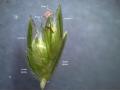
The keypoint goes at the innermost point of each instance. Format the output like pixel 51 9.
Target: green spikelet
pixel 43 52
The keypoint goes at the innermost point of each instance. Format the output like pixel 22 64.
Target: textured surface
pixel 91 57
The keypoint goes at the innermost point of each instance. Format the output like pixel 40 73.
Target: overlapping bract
pixel 44 51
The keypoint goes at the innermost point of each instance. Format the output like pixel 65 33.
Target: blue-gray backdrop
pixel 91 57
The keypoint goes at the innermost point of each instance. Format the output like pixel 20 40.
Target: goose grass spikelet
pixel 44 51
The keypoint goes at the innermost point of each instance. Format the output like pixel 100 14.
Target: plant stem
pixel 43 83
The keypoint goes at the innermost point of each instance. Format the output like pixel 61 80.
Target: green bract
pixel 44 51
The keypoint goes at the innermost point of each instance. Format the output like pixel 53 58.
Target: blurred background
pixel 91 58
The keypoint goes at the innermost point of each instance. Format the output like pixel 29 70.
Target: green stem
pixel 43 83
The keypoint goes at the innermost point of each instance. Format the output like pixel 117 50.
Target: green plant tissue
pixel 44 51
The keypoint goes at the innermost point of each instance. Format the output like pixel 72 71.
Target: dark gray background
pixel 91 58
